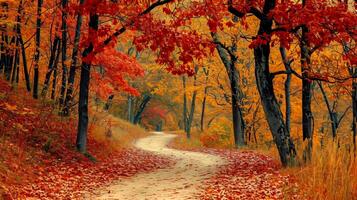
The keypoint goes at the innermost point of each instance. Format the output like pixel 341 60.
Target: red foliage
pixel 326 22
pixel 115 67
pixel 248 175
pixel 168 39
pixel 70 179
pixel 155 112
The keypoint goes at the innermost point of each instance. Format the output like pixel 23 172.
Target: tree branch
pixel 240 14
pixel 124 28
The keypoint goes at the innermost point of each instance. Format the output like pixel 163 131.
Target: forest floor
pixel 38 159
pixel 203 174
pixel 181 181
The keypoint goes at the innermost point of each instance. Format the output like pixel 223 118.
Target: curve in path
pixel 179 182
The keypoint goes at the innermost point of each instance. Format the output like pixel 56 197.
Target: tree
pixel 188 115
pixel 37 51
pixel 89 52
pixel 72 71
pixel 52 66
pixel 265 85
pixel 229 59
pixel 84 87
pixel 311 37
pixel 141 109
pixel 64 51
pixel 206 72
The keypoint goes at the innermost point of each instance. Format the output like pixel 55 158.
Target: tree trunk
pixel 8 57
pixel 37 53
pixel 354 111
pixel 72 71
pixel 266 90
pixel 159 126
pixel 2 54
pixel 204 99
pixel 238 124
pixel 64 52
pixel 130 109
pixel 15 63
pixel 37 50
pixel 332 114
pixel 137 117
pixel 307 117
pixel 24 62
pixel 109 102
pixel 18 68
pixel 203 109
pixel 17 28
pixel 55 46
pixel 229 62
pixel 353 72
pixel 55 65
pixel 81 142
pixel 287 88
pixel 192 109
pixel 185 106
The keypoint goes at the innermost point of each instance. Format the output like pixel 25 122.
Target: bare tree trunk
pixel 15 63
pixel 353 72
pixel 109 102
pixel 332 114
pixel 64 52
pixel 266 90
pixel 24 62
pixel 307 117
pixel 55 46
pixel 84 90
pixel 204 99
pixel 17 67
pixel 8 57
pixel 287 64
pixel 137 117
pixel 229 61
pixel 55 67
pixel 354 111
pixel 192 109
pixel 2 54
pixel 185 106
pixel 17 28
pixel 37 54
pixel 72 71
pixel 130 109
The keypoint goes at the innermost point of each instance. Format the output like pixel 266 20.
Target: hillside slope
pixel 38 157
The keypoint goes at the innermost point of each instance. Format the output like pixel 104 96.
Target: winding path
pixel 179 182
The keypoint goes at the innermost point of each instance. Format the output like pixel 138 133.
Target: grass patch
pixel 181 141
pixel 117 133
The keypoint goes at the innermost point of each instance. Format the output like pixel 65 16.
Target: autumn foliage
pixel 277 76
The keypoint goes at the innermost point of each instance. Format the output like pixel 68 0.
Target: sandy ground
pixel 179 182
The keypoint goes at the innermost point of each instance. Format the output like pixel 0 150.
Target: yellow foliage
pixel 219 134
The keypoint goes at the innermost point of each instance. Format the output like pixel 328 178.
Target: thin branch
pixel 124 28
pixel 240 14
pixel 343 115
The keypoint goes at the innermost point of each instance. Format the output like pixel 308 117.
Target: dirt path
pixel 178 182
